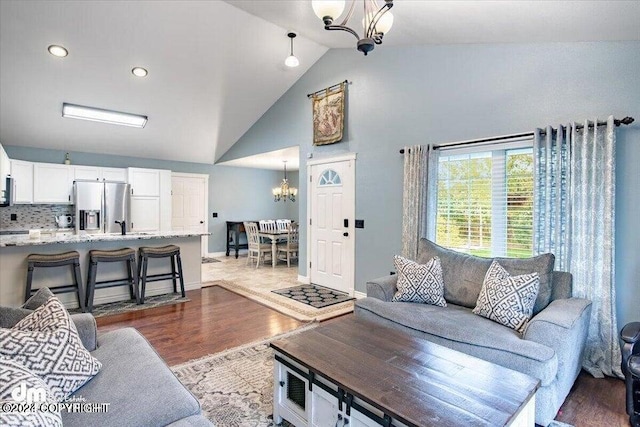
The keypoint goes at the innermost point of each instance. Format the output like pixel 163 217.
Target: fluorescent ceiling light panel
pixel 104 116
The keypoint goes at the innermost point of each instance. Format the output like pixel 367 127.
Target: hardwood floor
pixel 216 319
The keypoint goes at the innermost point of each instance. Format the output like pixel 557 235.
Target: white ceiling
pixel 418 22
pixel 214 69
pixel 271 160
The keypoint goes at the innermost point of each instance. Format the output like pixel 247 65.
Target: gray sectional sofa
pixel 550 348
pixel 134 380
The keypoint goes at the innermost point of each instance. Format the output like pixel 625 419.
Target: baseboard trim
pixel 304 280
pixel 215 254
pixel 360 295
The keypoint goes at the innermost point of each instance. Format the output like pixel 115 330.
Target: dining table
pixel 275 237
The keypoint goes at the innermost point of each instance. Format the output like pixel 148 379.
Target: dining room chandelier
pixel 376 23
pixel 284 192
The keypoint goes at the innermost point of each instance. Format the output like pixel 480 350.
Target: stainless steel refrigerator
pixel 100 204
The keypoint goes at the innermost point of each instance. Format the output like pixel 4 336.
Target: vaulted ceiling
pixel 215 67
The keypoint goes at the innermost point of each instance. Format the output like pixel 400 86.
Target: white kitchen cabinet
pixel 144 182
pixel 5 169
pixel 165 200
pixel 87 172
pixel 22 172
pixel 114 174
pixel 145 214
pixel 52 183
pixel 96 173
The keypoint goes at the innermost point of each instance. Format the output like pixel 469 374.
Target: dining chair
pixel 283 224
pixel 257 249
pixel 268 226
pixel 289 249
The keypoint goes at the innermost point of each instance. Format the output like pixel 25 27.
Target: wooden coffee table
pixel 352 372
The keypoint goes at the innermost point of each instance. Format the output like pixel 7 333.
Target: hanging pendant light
pixel 291 60
pixel 376 23
pixel 284 192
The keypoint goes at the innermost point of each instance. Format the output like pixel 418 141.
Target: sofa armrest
pixel 563 326
pixel 382 288
pixel 87 329
pixel 631 333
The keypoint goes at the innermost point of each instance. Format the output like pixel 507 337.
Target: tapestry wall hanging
pixel 328 114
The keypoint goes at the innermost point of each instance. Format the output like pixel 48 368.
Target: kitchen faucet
pixel 123 227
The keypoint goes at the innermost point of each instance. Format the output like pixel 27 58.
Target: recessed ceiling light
pixel 139 72
pixel 58 51
pixel 105 116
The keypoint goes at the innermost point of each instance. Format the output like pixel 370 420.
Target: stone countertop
pixel 49 239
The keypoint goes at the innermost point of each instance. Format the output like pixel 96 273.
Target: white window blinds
pixel 485 199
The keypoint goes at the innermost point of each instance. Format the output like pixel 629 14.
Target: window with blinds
pixel 485 199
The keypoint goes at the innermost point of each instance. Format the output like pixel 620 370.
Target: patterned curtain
pixel 574 217
pixel 418 197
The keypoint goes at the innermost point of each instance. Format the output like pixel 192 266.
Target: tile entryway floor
pixel 257 283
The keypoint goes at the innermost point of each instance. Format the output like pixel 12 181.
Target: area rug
pixel 314 295
pixel 209 260
pixel 261 292
pixel 235 387
pixel 119 307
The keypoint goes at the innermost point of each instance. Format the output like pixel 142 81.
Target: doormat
pixel 209 260
pixel 235 387
pixel 314 295
pixel 260 291
pixel 120 307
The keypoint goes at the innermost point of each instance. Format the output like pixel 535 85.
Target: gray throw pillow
pixel 16 376
pixel 419 282
pixel 464 274
pixel 41 296
pixel 47 343
pixel 507 299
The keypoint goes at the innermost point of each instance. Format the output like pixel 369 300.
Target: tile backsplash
pixel 32 216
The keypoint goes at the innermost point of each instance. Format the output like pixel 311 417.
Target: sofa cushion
pixel 457 328
pixel 464 274
pixel 135 382
pixel 47 343
pixel 507 299
pixel 14 375
pixel 419 282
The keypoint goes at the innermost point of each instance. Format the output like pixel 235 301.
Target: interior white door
pixel 188 197
pixel 332 199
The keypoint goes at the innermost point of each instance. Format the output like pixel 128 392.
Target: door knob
pixel 201 222
pixel 345 234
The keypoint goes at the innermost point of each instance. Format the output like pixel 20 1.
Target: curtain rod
pixel 626 121
pixel 309 95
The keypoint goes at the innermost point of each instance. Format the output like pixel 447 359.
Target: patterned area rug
pixel 209 260
pixel 314 295
pixel 261 292
pixel 130 305
pixel 235 387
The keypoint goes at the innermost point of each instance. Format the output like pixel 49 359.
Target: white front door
pixel 331 229
pixel 188 201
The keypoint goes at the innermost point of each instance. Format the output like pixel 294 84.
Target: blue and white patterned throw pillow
pixel 419 282
pixel 507 299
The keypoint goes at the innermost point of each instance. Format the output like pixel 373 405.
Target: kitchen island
pixel 15 248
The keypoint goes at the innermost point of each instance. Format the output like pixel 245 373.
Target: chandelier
pixel 376 23
pixel 284 192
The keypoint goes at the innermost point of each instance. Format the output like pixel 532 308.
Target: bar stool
pixel 127 255
pixel 57 260
pixel 169 251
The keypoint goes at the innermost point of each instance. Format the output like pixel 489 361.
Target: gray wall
pixel 236 194
pixel 416 95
